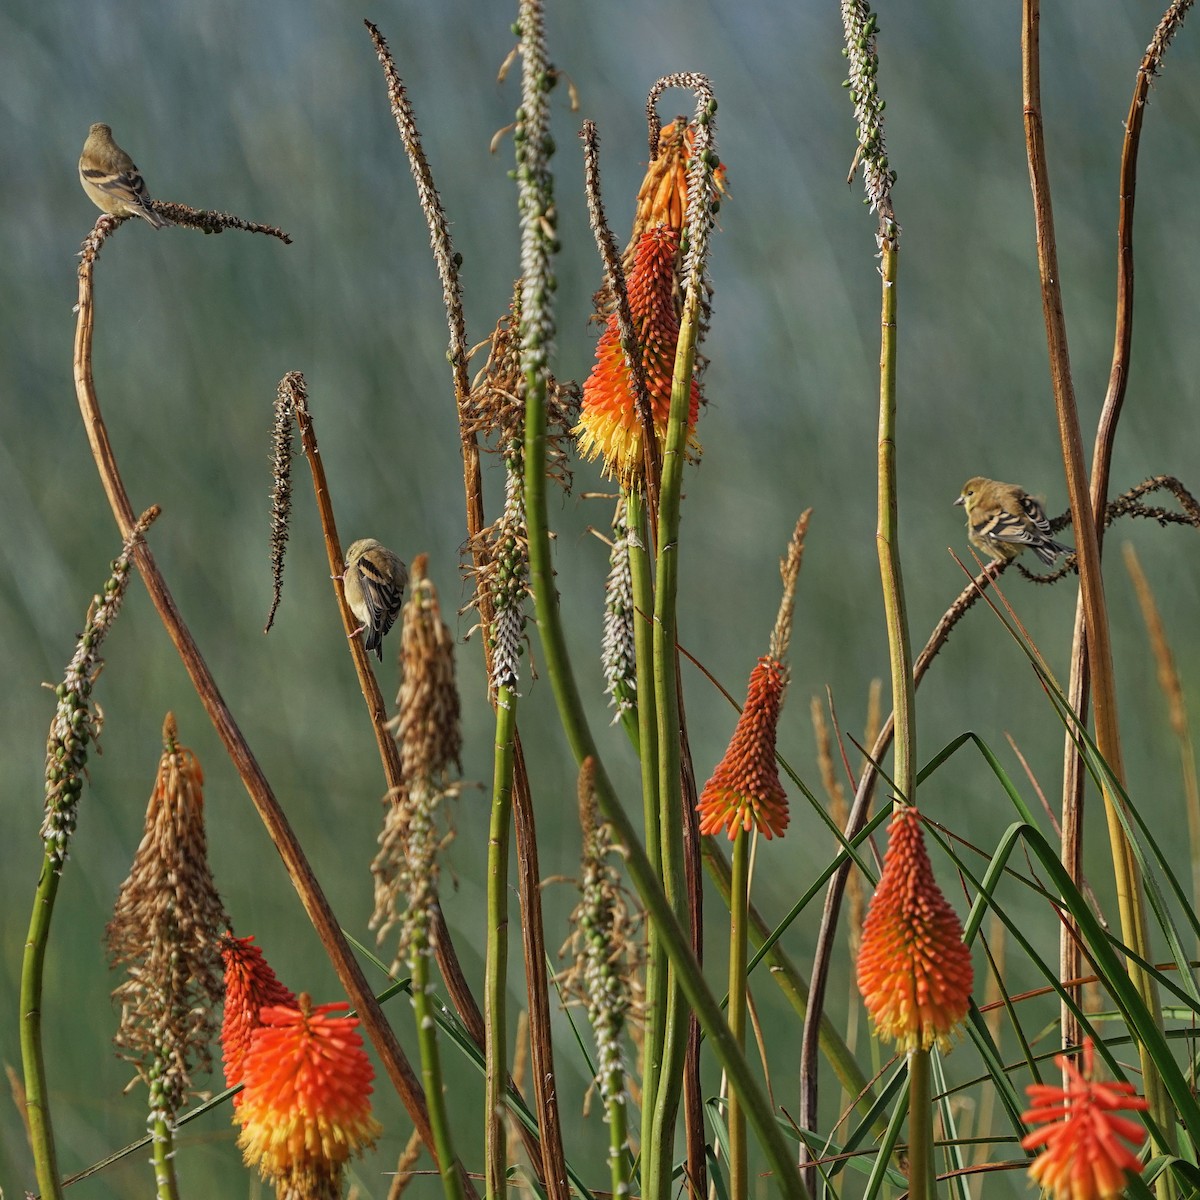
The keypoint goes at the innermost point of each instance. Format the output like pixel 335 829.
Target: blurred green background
pixel 278 112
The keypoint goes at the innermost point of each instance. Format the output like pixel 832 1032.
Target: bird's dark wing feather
pixel 383 600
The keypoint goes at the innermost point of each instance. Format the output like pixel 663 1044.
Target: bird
pixel 374 581
pixel 1002 519
pixel 112 181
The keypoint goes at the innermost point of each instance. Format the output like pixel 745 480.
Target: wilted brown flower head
pixel 164 933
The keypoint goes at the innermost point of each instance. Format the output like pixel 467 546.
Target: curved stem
pixel 350 974
pixel 1087 546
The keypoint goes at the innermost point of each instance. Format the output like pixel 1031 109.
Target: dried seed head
pixel 165 933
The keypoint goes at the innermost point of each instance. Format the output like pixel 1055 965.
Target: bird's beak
pixel 961 500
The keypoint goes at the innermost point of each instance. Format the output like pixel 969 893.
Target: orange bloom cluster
pixel 1083 1157
pixel 744 791
pixel 914 972
pixel 306 1106
pixel 250 985
pixel 662 198
pixel 608 422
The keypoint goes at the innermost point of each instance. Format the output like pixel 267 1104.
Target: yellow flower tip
pixel 914 972
pixel 609 426
pixel 250 984
pixel 306 1105
pixel 1083 1158
pixel 744 791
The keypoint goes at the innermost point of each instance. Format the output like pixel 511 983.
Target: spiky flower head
pixel 914 970
pixel 744 791
pixel 617 648
pixel 77 718
pixel 1083 1158
pixel 606 945
pixel 662 198
pixel 306 1106
pixel 164 933
pixel 429 734
pixel 860 25
pixel 250 986
pixel 609 425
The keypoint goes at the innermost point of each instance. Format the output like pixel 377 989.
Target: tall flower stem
pixel 1095 611
pixel 496 975
pixel 37 1108
pixel 163 1141
pixel 921 1178
pixel 657 967
pixel 739 901
pixel 431 1066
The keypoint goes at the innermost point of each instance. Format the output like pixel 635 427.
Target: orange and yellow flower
pixel 609 425
pixel 744 791
pixel 250 985
pixel 1083 1157
pixel 306 1106
pixel 662 198
pixel 914 971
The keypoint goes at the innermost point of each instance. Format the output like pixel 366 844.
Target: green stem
pixel 163 1141
pixel 739 901
pixel 888 538
pixel 675 939
pixel 656 1172
pixel 795 989
pixel 431 1063
pixel 37 1108
pixel 657 966
pixel 921 1181
pixel 496 979
pixel 618 1135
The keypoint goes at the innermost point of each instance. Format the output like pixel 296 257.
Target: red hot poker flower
pixel 306 1106
pixel 744 791
pixel 250 984
pixel 914 972
pixel 608 421
pixel 1083 1157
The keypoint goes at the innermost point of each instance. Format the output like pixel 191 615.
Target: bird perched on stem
pixel 112 181
pixel 374 581
pixel 1002 519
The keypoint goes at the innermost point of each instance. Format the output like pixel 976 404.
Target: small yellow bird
pixel 112 181
pixel 374 581
pixel 1002 519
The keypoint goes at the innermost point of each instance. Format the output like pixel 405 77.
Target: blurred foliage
pixel 278 113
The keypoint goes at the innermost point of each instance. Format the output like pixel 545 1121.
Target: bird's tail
pixel 1048 550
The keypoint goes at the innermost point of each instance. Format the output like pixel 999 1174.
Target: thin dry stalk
pixel 278 828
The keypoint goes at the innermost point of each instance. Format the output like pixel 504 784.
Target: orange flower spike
pixel 306 1106
pixel 744 791
pixel 608 421
pixel 662 198
pixel 249 985
pixel 1083 1157
pixel 914 972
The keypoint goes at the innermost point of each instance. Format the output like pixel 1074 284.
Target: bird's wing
pixel 1036 515
pixel 382 599
pixel 1006 527
pixel 127 185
